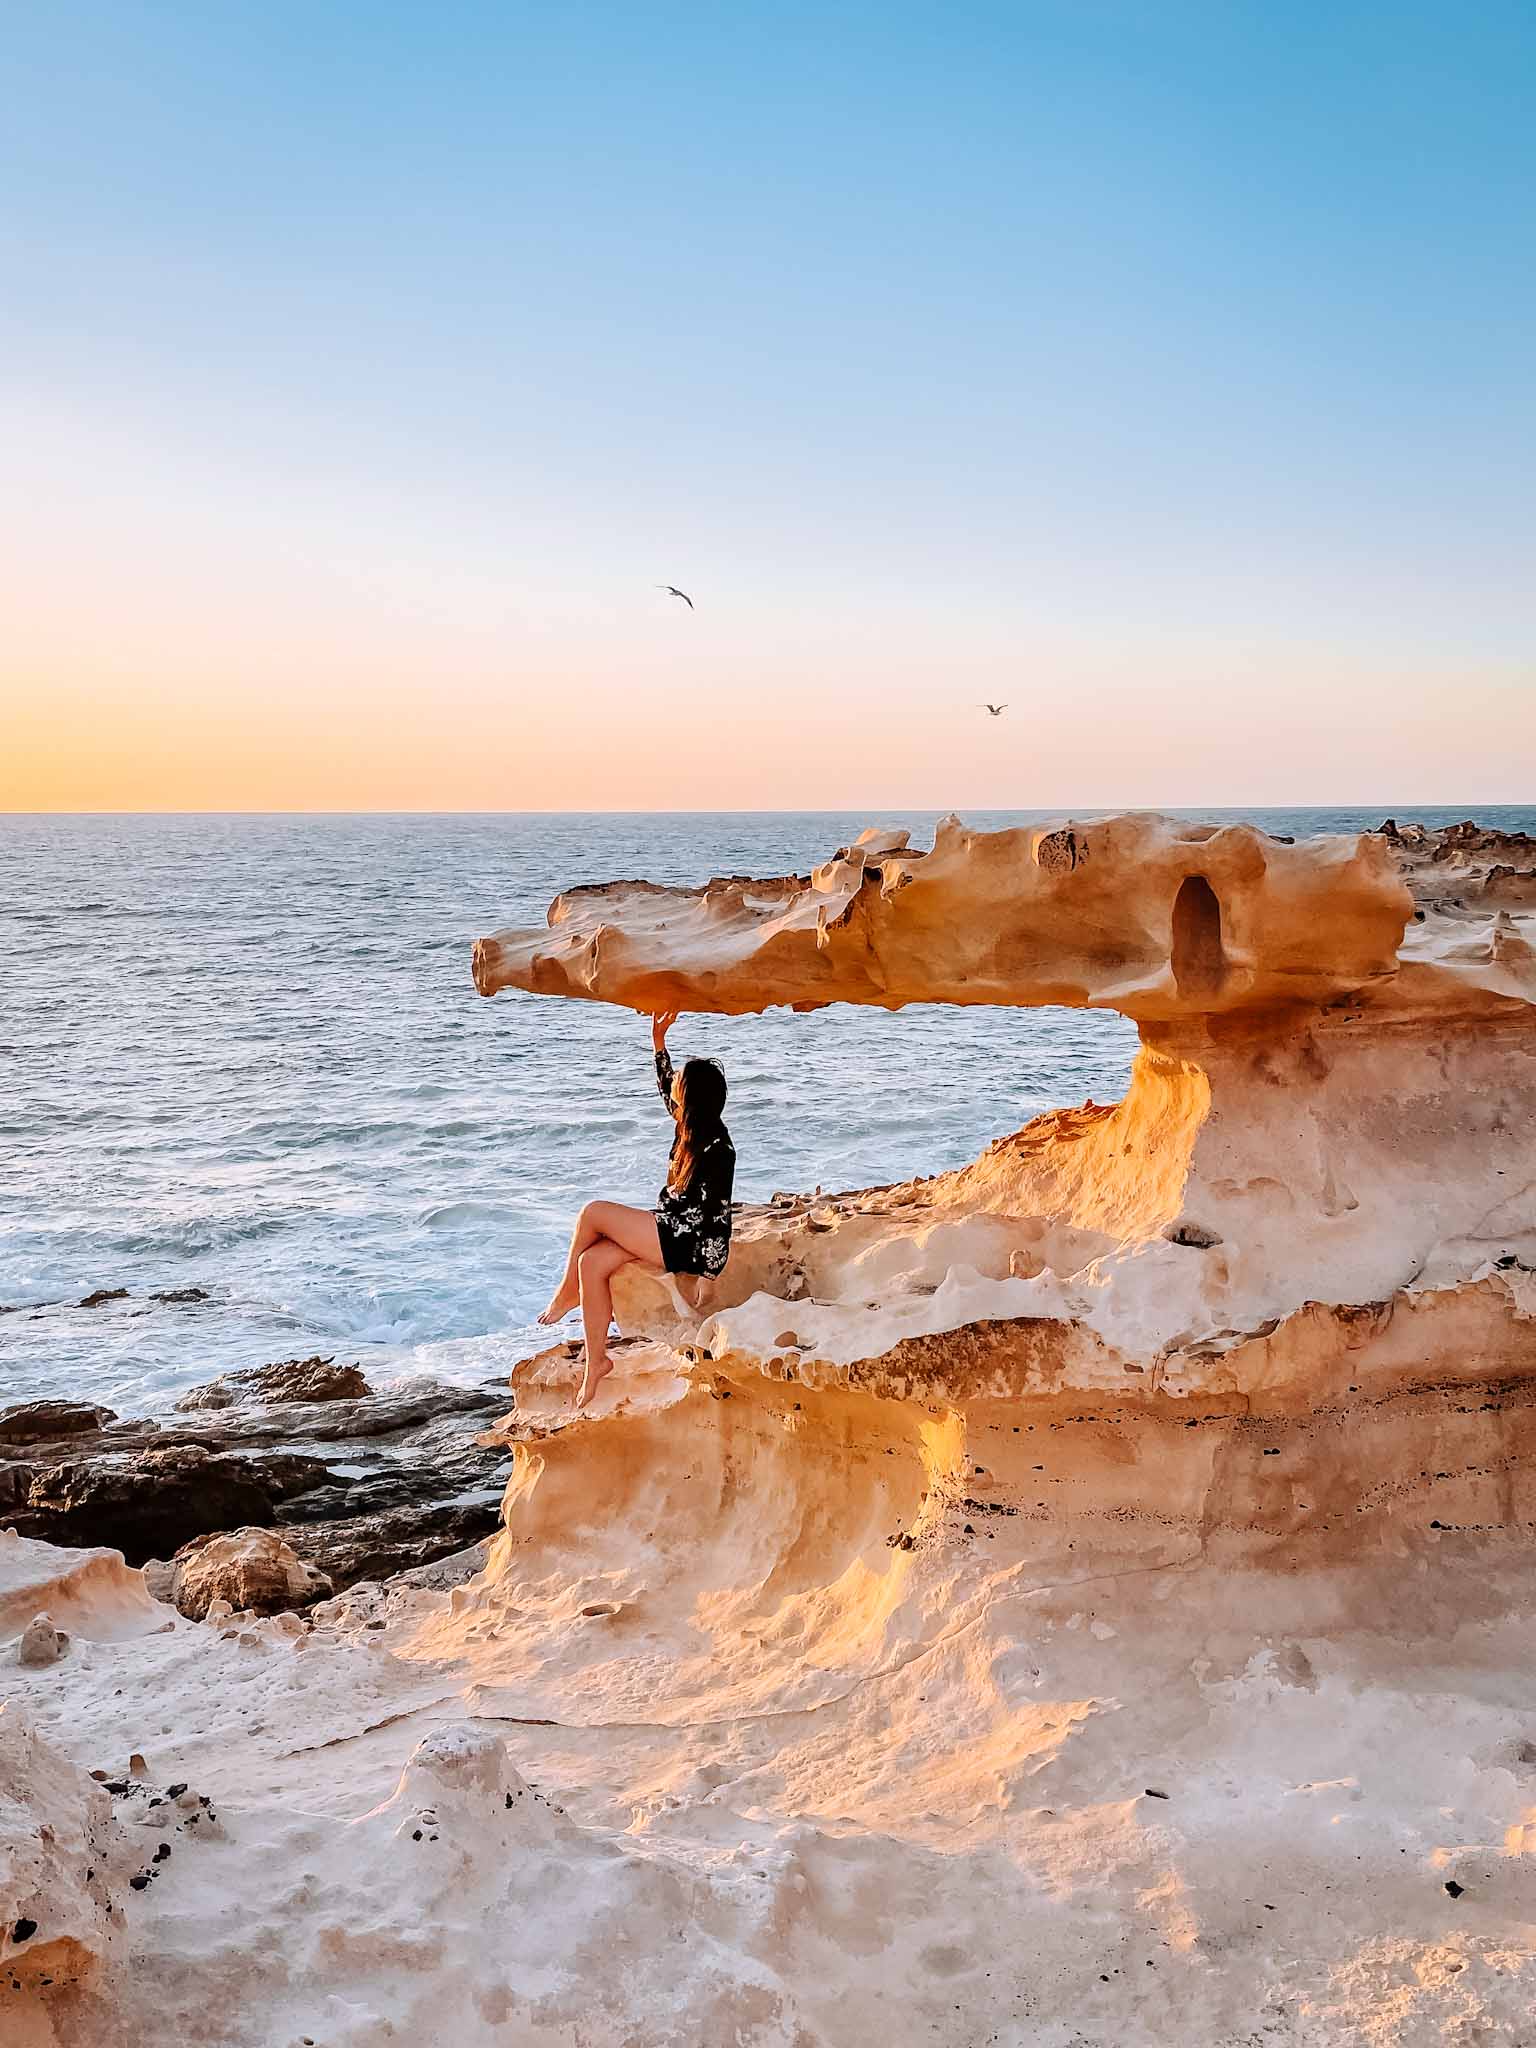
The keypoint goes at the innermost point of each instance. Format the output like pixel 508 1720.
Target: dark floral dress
pixel 694 1221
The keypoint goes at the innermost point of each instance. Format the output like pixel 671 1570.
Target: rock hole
pixel 1058 853
pixel 1199 962
pixel 1195 1235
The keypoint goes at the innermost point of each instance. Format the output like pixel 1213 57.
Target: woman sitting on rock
pixel 689 1230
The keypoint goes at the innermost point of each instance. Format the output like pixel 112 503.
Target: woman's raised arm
pixel 661 1024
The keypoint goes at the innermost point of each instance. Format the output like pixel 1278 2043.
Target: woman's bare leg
pixel 633 1229
pixel 596 1268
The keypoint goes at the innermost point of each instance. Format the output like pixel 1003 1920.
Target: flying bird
pixel 996 710
pixel 672 591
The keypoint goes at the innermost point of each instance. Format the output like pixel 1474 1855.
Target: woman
pixel 689 1230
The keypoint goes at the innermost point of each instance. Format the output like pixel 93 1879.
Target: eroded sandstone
pixel 1152 916
pixel 1312 1217
pixel 62 1858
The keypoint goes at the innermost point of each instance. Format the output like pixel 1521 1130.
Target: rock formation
pixel 152 1505
pixel 1236 1377
pixel 61 1859
pixel 41 1643
pixel 1083 1597
pixel 1142 914
pixel 410 1483
pixel 1464 867
pixel 293 1379
pixel 31 1422
pixel 253 1569
pixel 1315 1205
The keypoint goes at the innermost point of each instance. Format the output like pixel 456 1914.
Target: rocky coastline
pixel 1083 1597
pixel 359 1484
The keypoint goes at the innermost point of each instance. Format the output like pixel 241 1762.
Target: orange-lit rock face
pixel 1335 1103
pixel 1279 1303
pixel 1335 1099
pixel 1151 916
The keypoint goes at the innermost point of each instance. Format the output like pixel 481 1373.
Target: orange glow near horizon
pixel 456 743
pixel 173 643
pixel 407 734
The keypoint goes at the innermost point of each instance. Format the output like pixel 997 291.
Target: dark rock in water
pixel 292 1379
pixel 419 1485
pixel 103 1295
pixel 378 1546
pixel 90 1442
pixel 15 1487
pixel 177 1295
pixel 419 1406
pixel 35 1421
pixel 443 1461
pixel 286 1473
pixel 412 1407
pixel 421 1498
pixel 150 1505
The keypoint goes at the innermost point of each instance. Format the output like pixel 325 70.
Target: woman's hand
pixel 661 1023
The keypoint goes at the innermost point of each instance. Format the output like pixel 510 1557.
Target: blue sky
pixel 1164 369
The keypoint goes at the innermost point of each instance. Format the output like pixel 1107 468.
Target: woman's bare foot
pixel 597 1370
pixel 561 1303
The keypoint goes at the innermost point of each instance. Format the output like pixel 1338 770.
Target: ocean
pixel 244 1054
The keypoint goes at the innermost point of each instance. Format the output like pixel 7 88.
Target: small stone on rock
pixel 41 1642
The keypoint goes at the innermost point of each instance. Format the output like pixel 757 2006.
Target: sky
pixel 1163 370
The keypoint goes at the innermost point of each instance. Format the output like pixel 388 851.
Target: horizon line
pixel 795 811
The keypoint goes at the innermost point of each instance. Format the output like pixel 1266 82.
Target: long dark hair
pixel 700 1102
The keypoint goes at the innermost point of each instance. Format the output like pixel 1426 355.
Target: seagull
pixel 672 591
pixel 996 710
